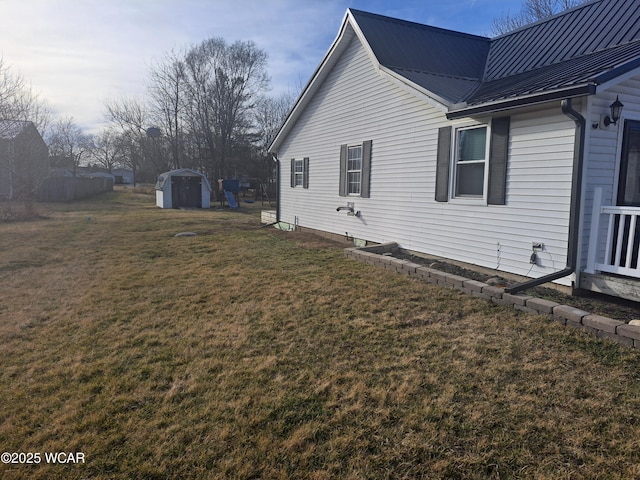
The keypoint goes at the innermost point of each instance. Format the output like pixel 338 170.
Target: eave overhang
pixel 463 111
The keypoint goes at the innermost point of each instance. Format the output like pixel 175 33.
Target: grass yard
pixel 252 353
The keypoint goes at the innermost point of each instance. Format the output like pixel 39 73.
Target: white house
pixel 183 188
pixel 489 151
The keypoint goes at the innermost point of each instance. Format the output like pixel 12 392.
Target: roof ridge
pixel 423 26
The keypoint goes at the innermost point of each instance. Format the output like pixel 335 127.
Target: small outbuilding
pixel 24 159
pixel 183 188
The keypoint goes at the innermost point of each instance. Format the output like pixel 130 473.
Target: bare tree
pixel 167 95
pixel 129 117
pixel 106 149
pixel 531 11
pixel 270 113
pixel 223 84
pixel 203 101
pixel 19 102
pixel 68 144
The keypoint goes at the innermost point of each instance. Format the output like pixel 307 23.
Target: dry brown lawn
pixel 252 353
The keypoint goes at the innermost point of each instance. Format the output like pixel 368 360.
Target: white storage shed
pixel 183 188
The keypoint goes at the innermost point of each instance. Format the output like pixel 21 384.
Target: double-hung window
pixel 300 172
pixel 354 170
pixel 470 162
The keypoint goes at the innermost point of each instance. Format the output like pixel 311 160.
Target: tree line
pixel 206 107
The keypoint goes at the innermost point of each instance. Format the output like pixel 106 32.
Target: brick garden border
pixel 602 327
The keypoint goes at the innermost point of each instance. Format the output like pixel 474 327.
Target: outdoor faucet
pixel 350 210
pixel 349 207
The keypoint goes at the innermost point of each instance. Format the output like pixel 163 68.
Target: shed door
pixel 186 192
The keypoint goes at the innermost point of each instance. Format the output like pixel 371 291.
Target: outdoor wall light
pixel 616 112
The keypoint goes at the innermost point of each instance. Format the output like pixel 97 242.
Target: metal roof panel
pixel 592 27
pixel 451 88
pixel 400 44
pixel 586 68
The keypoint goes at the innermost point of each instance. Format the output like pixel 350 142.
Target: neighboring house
pixel 491 151
pixel 118 175
pixel 183 188
pixel 24 159
pixel 123 175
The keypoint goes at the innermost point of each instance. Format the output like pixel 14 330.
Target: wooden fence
pixel 66 189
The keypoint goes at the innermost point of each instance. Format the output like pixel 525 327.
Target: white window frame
pixel 298 173
pixel 474 199
pixel 352 171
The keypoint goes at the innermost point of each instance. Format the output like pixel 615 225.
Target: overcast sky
pixel 78 53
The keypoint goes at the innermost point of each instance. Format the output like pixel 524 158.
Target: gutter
pixel 574 212
pixel 500 105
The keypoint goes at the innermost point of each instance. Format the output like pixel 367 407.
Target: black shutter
pixel 498 153
pixel 365 187
pixel 305 173
pixel 293 172
pixel 343 171
pixel 443 163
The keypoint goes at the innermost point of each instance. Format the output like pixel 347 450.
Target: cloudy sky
pixel 79 53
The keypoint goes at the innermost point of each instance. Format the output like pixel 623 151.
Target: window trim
pixel 498 163
pixel 303 175
pixel 298 176
pixel 455 143
pixel 354 171
pixel 365 169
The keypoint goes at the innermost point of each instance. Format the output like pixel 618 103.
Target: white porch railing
pixel 622 247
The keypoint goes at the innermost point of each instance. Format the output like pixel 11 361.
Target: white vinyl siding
pixel 357 102
pixel 602 157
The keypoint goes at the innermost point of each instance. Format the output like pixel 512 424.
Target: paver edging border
pixel 603 327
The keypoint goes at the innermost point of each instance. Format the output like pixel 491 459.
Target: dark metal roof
pixel 579 70
pixel 586 45
pixel 590 28
pixel 453 89
pixel 423 54
pixel 564 56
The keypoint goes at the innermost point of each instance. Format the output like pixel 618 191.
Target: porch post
pixel 595 230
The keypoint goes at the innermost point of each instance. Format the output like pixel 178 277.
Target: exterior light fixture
pixel 616 112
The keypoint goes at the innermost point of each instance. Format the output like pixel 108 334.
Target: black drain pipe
pixel 277 194
pixel 574 213
pixel 277 188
